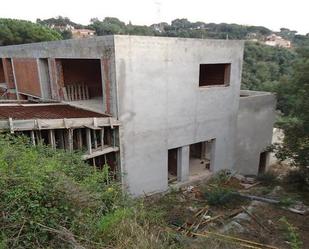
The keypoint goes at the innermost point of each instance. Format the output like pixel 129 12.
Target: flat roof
pixel 45 111
pixel 95 46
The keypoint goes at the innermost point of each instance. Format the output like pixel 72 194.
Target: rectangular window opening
pixel 215 74
pixel 82 79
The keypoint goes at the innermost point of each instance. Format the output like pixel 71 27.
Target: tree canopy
pixel 18 31
pixel 295 121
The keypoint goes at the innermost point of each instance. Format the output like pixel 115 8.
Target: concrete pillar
pixel 212 152
pixel 183 158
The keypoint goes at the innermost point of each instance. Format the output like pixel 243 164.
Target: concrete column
pixel 212 151
pixel 183 157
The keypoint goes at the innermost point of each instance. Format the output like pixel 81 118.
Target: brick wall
pixel 87 71
pixel 2 78
pixel 27 76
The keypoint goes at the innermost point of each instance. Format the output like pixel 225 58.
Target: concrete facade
pixel 151 85
pixel 256 117
pixel 161 105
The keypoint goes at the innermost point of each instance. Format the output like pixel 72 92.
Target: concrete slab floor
pixel 198 169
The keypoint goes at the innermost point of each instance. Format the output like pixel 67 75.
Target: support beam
pixel 70 139
pixel 79 139
pixel 88 139
pixel 51 138
pixel 102 137
pixel 32 137
pixel 38 137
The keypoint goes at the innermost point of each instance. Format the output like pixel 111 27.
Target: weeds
pixel 291 234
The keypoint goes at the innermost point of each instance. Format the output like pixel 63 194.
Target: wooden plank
pixel 100 152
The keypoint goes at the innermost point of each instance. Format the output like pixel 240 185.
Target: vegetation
pixel 19 31
pixel 219 196
pixel 291 234
pixel 295 119
pixel 266 67
pixel 267 178
pixel 52 199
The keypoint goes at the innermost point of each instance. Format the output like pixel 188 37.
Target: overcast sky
pixel 273 14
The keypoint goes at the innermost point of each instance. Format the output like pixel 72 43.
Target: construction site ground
pixel 233 221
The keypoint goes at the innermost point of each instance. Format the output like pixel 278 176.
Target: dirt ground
pixel 188 212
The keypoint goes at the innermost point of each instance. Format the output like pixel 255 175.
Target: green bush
pixel 46 194
pixel 267 178
pixel 297 179
pixel 219 196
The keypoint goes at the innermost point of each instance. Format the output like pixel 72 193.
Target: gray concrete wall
pixel 78 48
pixel 256 117
pixel 161 105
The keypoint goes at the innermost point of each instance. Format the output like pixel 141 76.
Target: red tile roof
pixel 45 112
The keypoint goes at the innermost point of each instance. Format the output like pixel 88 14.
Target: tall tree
pixel 18 31
pixel 296 119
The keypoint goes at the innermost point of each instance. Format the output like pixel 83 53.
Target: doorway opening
pixel 172 165
pixel 201 158
pixel 263 162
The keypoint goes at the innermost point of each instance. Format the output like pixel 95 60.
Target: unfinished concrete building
pixel 159 110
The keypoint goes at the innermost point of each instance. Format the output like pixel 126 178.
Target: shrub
pixel 297 179
pixel 48 194
pixel 267 178
pixel 219 196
